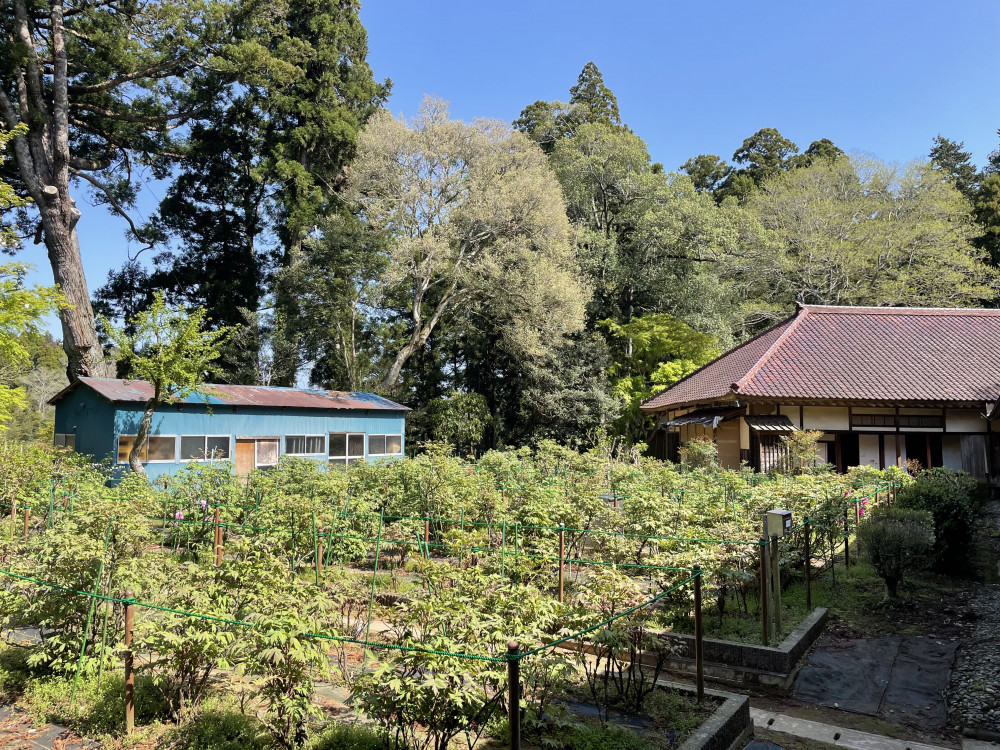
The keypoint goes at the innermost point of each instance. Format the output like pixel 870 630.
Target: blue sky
pixel 691 77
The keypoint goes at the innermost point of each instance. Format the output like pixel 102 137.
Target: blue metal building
pixel 249 426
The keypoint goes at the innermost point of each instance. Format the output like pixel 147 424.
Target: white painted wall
pixel 964 420
pixel 825 418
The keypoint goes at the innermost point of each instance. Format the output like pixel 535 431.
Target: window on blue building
pixel 204 447
pixel 159 448
pixel 347 447
pixel 385 445
pixel 304 445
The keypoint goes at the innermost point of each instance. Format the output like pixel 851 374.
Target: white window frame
pixel 205 460
pixel 386 435
pixel 147 461
pixel 256 451
pixel 71 436
pixel 306 436
pixel 347 457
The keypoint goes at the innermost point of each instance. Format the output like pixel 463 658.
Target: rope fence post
pixel 319 557
pixel 699 650
pixel 129 676
pixel 776 580
pixel 847 544
pixel 218 539
pixel 808 567
pixel 562 557
pixel 765 625
pixel 514 694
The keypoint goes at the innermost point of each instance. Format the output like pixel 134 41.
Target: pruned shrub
pixel 896 540
pixel 700 453
pixel 952 498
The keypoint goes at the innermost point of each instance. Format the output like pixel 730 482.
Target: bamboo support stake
pixel 27 515
pixel 562 559
pixel 319 557
pixel 13 516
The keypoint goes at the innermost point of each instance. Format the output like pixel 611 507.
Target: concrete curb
pixel 729 727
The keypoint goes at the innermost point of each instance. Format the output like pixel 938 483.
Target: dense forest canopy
pixel 509 282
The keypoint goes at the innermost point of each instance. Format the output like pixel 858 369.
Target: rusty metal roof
pixel 882 354
pixel 139 391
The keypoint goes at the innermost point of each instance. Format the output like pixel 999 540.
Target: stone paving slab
pixel 838 736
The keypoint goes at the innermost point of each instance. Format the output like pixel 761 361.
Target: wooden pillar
pixel 899 455
pixel 841 469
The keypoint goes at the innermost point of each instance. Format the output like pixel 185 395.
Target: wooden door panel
pixel 245 456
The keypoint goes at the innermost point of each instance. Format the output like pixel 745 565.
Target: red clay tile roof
pixel 117 390
pixel 858 354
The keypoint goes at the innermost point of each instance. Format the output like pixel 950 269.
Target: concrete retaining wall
pixel 743 664
pixel 729 727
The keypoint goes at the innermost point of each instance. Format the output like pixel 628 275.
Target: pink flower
pixel 203 504
pixel 179 515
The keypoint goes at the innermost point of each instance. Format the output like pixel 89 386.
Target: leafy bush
pixel 348 737
pixel 895 540
pixel 602 738
pixel 700 453
pixel 953 500
pixel 220 729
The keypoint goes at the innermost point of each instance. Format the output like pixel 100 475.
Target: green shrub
pixel 700 453
pixel 953 499
pixel 348 737
pixel 14 673
pixel 600 738
pixel 895 540
pixel 220 729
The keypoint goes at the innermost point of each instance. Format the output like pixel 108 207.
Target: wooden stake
pixel 765 626
pixel 699 650
pixel 27 515
pixel 808 556
pixel 218 539
pixel 129 677
pixel 776 579
pixel 514 694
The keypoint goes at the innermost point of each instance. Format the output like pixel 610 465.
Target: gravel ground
pixel 974 692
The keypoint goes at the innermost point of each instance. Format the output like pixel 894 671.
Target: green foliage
pixel 700 453
pixel 21 311
pixel 604 738
pixel 348 737
pixel 221 729
pixel 461 419
pixel 895 540
pixel 651 353
pixel 169 348
pixel 948 158
pixel 953 499
pixel 802 451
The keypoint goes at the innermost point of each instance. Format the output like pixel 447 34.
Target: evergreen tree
pixel 596 100
pixel 948 158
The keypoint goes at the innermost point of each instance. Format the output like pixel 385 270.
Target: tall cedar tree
pixel 949 158
pixel 259 171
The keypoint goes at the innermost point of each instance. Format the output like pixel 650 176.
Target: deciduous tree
pixel 170 349
pixel 472 219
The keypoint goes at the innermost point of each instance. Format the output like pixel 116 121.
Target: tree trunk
pixel 83 350
pixel 43 161
pixel 142 437
pixel 892 587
